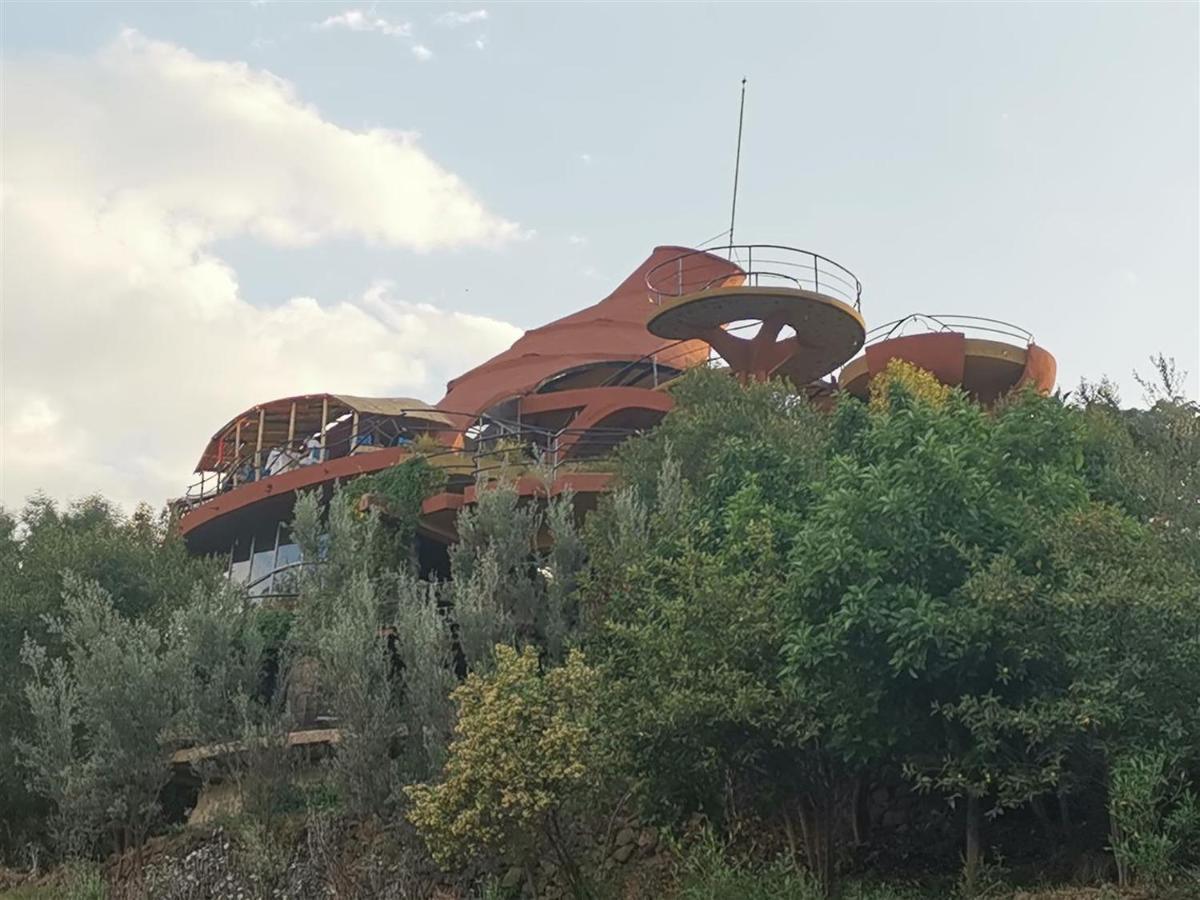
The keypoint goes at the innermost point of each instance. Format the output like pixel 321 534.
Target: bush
pixel 521 762
pixel 107 715
pixel 1155 818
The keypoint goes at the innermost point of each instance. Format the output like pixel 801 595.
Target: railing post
pixel 816 278
pixel 237 451
pixel 750 265
pixel 258 443
pixel 324 416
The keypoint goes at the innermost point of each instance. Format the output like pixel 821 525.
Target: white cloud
pixel 421 52
pixel 577 240
pixel 455 19
pixel 126 342
pixel 357 20
pixel 585 158
pixel 480 42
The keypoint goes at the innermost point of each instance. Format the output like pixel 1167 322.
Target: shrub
pixel 108 714
pixel 521 761
pixel 1154 815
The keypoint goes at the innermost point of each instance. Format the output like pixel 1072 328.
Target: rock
pixel 512 878
pixel 622 854
pixel 648 839
pixel 626 836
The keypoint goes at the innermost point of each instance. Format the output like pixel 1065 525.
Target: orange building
pixel 565 394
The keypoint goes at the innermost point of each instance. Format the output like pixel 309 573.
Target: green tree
pixel 521 761
pixel 107 714
pixel 137 559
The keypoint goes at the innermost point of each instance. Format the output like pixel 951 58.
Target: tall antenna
pixel 737 165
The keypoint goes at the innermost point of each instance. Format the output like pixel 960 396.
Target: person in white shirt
pixel 314 451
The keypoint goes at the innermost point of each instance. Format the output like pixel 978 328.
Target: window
pixel 239 569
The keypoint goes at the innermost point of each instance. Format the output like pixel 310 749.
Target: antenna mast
pixel 737 165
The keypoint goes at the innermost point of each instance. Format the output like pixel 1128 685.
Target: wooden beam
pixel 237 448
pixel 353 431
pixel 324 417
pixel 292 426
pixel 262 421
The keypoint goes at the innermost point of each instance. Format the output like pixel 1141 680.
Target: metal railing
pixel 496 447
pixel 666 358
pixel 254 464
pixel 759 265
pixel 925 323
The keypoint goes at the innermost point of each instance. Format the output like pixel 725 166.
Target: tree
pixel 914 632
pixel 514 572
pixel 685 589
pixel 522 758
pixel 796 607
pixel 138 560
pixel 107 715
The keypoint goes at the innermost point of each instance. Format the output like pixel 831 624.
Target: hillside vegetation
pixel 907 648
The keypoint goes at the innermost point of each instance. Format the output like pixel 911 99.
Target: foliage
pixel 689 646
pixel 917 383
pixel 792 609
pixel 356 683
pixel 522 756
pixel 721 432
pixel 1146 460
pixel 402 487
pixel 711 871
pixel 107 715
pixel 137 559
pixel 1155 817
pixel 381 651
pixel 513 571
pixel 421 646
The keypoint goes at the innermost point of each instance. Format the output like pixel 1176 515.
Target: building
pixel 565 394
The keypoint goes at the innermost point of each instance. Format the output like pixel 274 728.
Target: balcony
pixel 809 308
pixel 987 358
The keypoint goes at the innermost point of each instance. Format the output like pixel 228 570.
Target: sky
pixel 209 205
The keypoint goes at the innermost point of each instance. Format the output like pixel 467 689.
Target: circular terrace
pixel 808 307
pixel 987 358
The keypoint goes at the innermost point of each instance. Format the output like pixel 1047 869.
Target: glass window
pixel 262 563
pixel 239 569
pixel 287 574
pixel 261 567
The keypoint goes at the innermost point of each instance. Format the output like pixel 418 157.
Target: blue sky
pixel 1037 163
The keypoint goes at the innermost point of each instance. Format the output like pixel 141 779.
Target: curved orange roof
pixel 613 329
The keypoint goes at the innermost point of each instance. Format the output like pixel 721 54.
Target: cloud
pixel 421 52
pixel 585 158
pixel 577 240
pixel 480 42
pixel 357 20
pixel 455 19
pixel 126 341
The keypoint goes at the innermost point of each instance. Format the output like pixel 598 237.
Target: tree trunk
pixel 817 824
pixel 790 830
pixel 972 856
pixel 1064 814
pixel 861 813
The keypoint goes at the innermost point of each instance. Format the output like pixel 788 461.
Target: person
pixel 313 451
pixel 275 462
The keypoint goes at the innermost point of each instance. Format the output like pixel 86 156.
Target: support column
pixel 258 442
pixel 324 416
pixel 237 449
